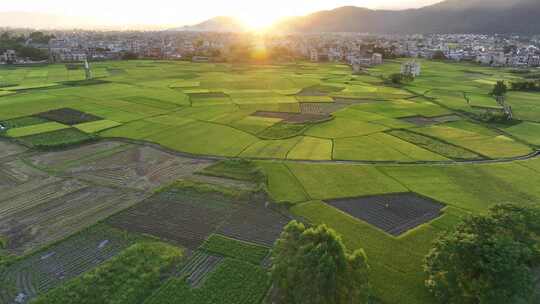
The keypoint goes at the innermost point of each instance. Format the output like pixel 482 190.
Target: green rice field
pixel 210 109
pixel 311 133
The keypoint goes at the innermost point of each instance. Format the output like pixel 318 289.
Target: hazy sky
pixel 180 12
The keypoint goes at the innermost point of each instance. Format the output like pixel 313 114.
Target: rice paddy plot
pixel 254 124
pixel 394 213
pixel 381 147
pixel 292 117
pixel 277 149
pixel 137 130
pixel 343 127
pixel 314 99
pixel 209 98
pixel 47 269
pixel 35 129
pixel 283 130
pixel 477 139
pixel 205 138
pixel 329 181
pixel 97 126
pixel 282 184
pixel 311 148
pixel 435 145
pixel 527 131
pixel 61 138
pixel 425 121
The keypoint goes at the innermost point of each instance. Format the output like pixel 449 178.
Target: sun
pixel 259 21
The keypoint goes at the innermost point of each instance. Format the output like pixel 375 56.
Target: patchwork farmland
pixel 188 172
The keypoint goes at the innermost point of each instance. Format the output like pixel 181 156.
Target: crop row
pixel 47 269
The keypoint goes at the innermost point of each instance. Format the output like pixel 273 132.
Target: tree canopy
pixel 487 259
pixel 10 42
pixel 311 265
pixel 499 89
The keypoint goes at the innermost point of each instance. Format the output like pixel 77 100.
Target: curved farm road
pixel 535 154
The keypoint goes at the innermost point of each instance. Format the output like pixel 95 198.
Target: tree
pixel 487 259
pixel 499 89
pixel 399 79
pixel 40 37
pixel 311 265
pixel 439 55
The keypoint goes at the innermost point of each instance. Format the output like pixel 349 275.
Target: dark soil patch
pixel 188 217
pixel 394 213
pixel 208 95
pixel 350 101
pixel 321 108
pixel 68 116
pixel 293 117
pixel 181 218
pixel 77 83
pixel 426 121
pixel 254 223
pixel 319 90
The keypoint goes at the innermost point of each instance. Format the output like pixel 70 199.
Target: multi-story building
pixel 411 68
pixel 9 56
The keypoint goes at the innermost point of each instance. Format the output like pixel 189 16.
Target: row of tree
pixel 525 85
pixel 486 259
pixel 18 43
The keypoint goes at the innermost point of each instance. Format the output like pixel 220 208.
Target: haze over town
pixel 167 13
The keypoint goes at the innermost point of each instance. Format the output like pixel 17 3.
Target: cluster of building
pixel 8 56
pixel 493 50
pixel 358 50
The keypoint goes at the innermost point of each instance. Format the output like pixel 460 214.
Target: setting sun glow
pixel 259 22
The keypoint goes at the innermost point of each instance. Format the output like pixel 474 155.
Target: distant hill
pixel 217 24
pixel 450 16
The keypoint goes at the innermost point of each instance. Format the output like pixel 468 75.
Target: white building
pixel 8 56
pixel 376 59
pixel 314 55
pixel 533 61
pixel 411 68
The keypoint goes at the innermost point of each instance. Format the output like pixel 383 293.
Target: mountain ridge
pixel 216 24
pixel 450 16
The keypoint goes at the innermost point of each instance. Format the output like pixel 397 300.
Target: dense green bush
pixel 233 282
pixel 239 169
pixel 127 278
pixel 313 266
pixel 487 259
pixel 57 139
